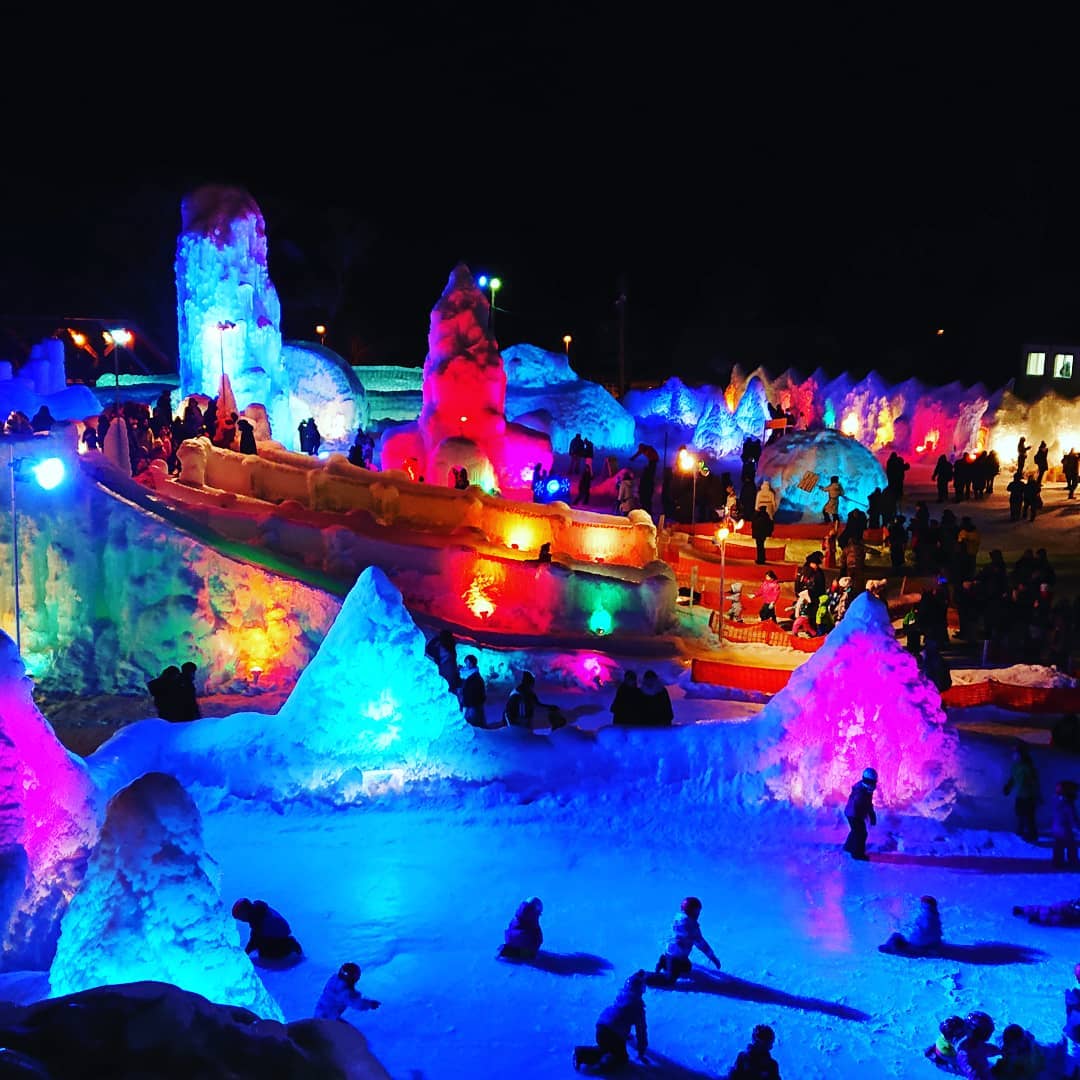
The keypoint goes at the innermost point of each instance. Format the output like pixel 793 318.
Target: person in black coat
pixel 187 695
pixel 584 485
pixel 859 810
pixel 628 705
pixel 943 474
pixel 756 1061
pixel 247 436
pixel 473 693
pixel 442 648
pixel 166 691
pixel 761 528
pixel 656 702
pixel 271 936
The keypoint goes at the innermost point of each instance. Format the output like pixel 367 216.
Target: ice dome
pixel 788 462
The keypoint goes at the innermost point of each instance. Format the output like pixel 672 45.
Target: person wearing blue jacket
pixel 340 993
pixel 270 935
pixel 674 962
pixel 924 938
pixel 523 937
pixel 859 810
pixel 614 1026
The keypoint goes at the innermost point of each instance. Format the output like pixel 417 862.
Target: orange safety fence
pixel 739 676
pixel 1034 699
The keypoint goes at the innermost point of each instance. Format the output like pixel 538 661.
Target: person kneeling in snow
pixel 1021 1056
pixel 270 936
pixel 924 938
pixel 943 1052
pixel 674 963
pixel 614 1025
pixel 523 937
pixel 340 993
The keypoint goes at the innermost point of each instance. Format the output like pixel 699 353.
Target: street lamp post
pixel 493 285
pixel 119 338
pixel 688 463
pixel 48 473
pixel 722 535
pixel 321 331
pixel 566 342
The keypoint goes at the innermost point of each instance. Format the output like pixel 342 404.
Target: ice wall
pixel 48 822
pixel 860 701
pixel 323 386
pixel 149 907
pixel 786 463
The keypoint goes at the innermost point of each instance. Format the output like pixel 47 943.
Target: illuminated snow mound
pixel 860 701
pixel 370 695
pixel 674 402
pixel 48 822
pixel 717 432
pixel 149 907
pixel 530 367
pixel 322 385
pixel 786 463
pixel 572 408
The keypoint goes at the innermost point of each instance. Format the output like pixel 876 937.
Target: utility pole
pixel 620 303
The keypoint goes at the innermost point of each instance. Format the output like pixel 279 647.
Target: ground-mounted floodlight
pixel 48 473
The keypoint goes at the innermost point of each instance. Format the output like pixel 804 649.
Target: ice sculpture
pixel 229 323
pixel 370 696
pixel 48 822
pixel 791 463
pixel 861 700
pixel 462 420
pixel 149 908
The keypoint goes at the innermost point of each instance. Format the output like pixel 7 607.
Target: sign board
pixel 776 425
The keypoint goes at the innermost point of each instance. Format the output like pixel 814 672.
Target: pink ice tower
pixel 462 422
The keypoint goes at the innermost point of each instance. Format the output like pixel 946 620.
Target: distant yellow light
pixel 320 329
pixel 687 460
pixel 940 331
pixel 850 425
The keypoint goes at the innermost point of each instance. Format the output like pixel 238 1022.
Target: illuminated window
pixel 1036 363
pixel 1063 365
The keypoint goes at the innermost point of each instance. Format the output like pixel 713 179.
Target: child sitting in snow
pixel 943 1052
pixel 523 937
pixel 1021 1056
pixel 924 938
pixel 340 993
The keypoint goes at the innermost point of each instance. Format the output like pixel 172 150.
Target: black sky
pixel 825 192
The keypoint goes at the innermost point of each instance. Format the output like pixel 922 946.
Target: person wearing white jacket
pixel 766 497
pixel 340 993
pixel 674 963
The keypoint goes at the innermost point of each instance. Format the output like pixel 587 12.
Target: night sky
pixel 825 194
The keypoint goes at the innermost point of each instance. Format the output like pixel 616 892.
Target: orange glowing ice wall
pixel 464 398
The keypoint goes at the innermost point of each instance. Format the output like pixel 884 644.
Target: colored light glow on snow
pixel 850 426
pixel 884 433
pixel 729 397
pixel 930 441
pixel 476 597
pixel 829 417
pixel 523 536
pixel 600 621
pixel 49 473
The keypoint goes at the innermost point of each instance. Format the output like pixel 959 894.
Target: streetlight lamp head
pixel 567 339
pixel 482 281
pixel 49 473
pixel 723 533
pixel 495 285
pixel 687 460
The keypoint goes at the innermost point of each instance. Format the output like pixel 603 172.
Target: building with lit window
pixel 1049 367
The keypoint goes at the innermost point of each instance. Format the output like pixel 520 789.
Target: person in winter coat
pixel 975 1050
pixel 943 1053
pixel 1065 827
pixel 766 499
pixel 1042 461
pixel 735 596
pixel 1032 503
pixel 1015 490
pixel 1071 1030
pixel 624 499
pixel 924 938
pixel 340 993
pixel 811 577
pixel 442 648
pixel 802 611
pixel 756 1061
pixel 656 710
pixel 1070 465
pixel 1021 1056
pixel 628 706
pixel 834 490
pixel 521 706
pixel 943 474
pixel 247 436
pixel 859 810
pixel 270 935
pixel 770 594
pixel 1059 913
pixel 674 962
pixel 473 693
pixel 584 489
pixel 1024 779
pixel 614 1026
pixel 523 937
pixel 761 528
pixel 898 538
